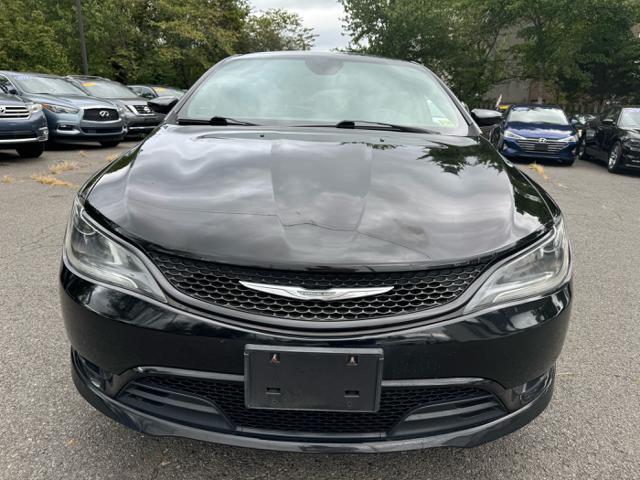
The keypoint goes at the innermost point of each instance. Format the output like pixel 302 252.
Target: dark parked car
pixel 72 116
pixel 317 252
pixel 531 132
pixel 140 119
pixel 23 126
pixel 155 91
pixel 580 120
pixel 613 137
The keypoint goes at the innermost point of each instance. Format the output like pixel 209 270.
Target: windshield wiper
pixel 216 121
pixel 366 125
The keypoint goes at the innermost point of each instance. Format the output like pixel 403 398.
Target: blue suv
pixel 72 115
pixel 23 126
pixel 533 132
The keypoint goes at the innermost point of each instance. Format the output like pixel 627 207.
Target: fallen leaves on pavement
pixel 50 180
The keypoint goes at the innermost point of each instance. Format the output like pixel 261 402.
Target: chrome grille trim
pixel 14 111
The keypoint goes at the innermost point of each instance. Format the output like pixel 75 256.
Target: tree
pixel 150 41
pixel 276 29
pixel 458 39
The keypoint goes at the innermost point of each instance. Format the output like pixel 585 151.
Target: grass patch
pixel 7 179
pixel 112 157
pixel 60 167
pixel 49 180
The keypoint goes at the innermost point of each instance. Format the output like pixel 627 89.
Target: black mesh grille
pixel 143 109
pixel 101 114
pixel 395 404
pixel 218 284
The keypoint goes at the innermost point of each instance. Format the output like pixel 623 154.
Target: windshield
pixel 325 90
pixel 538 115
pixel 50 85
pixel 104 89
pixel 630 118
pixel 167 91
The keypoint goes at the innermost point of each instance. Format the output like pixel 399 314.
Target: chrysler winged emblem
pixel 330 295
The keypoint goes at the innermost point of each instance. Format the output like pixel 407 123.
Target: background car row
pixel 36 108
pixel 544 132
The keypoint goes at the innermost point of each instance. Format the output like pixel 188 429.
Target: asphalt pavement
pixel 591 430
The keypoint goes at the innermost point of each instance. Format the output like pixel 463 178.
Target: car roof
pixel 34 74
pixel 327 55
pixel 536 105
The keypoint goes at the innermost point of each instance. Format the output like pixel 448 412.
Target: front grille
pixel 550 146
pixel 17 135
pixel 218 284
pixel 143 109
pixel 395 404
pixel 14 111
pixel 101 114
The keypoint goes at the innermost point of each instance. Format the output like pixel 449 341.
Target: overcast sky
pixel 322 15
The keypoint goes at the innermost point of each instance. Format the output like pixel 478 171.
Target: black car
pixel 155 91
pixel 320 253
pixel 139 117
pixel 613 137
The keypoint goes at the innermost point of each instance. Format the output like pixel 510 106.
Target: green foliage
pixel 141 41
pixel 578 50
pixel 276 30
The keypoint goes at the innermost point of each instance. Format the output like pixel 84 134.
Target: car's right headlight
pixel 59 108
pixel 515 136
pixel 539 270
pixel 99 256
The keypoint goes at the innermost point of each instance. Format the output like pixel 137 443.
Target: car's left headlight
pixel 90 251
pixel 539 270
pixel 569 139
pixel 60 108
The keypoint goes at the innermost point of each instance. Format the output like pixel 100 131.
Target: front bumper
pixel 142 124
pixel 15 132
pixel 508 353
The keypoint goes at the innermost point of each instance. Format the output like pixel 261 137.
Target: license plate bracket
pixel 314 379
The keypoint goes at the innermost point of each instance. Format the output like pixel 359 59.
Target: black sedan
pixel 613 137
pixel 333 261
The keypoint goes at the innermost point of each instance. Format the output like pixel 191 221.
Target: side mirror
pixel 608 121
pixel 486 118
pixel 163 104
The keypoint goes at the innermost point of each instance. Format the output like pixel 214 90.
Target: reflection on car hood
pixel 311 198
pixel 69 100
pixel 540 130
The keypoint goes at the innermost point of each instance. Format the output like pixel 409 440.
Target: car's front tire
pixel 614 164
pixel 110 143
pixel 33 150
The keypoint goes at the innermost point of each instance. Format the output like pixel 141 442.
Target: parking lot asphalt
pixel 591 430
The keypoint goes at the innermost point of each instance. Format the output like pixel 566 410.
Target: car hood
pixel 318 198
pixel 540 130
pixel 6 99
pixel 78 101
pixel 130 101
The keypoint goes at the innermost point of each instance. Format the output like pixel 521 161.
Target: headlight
pixel 510 134
pixel 539 270
pixel 59 108
pixel 34 107
pixel 572 138
pixel 633 143
pixel 122 110
pixel 96 255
